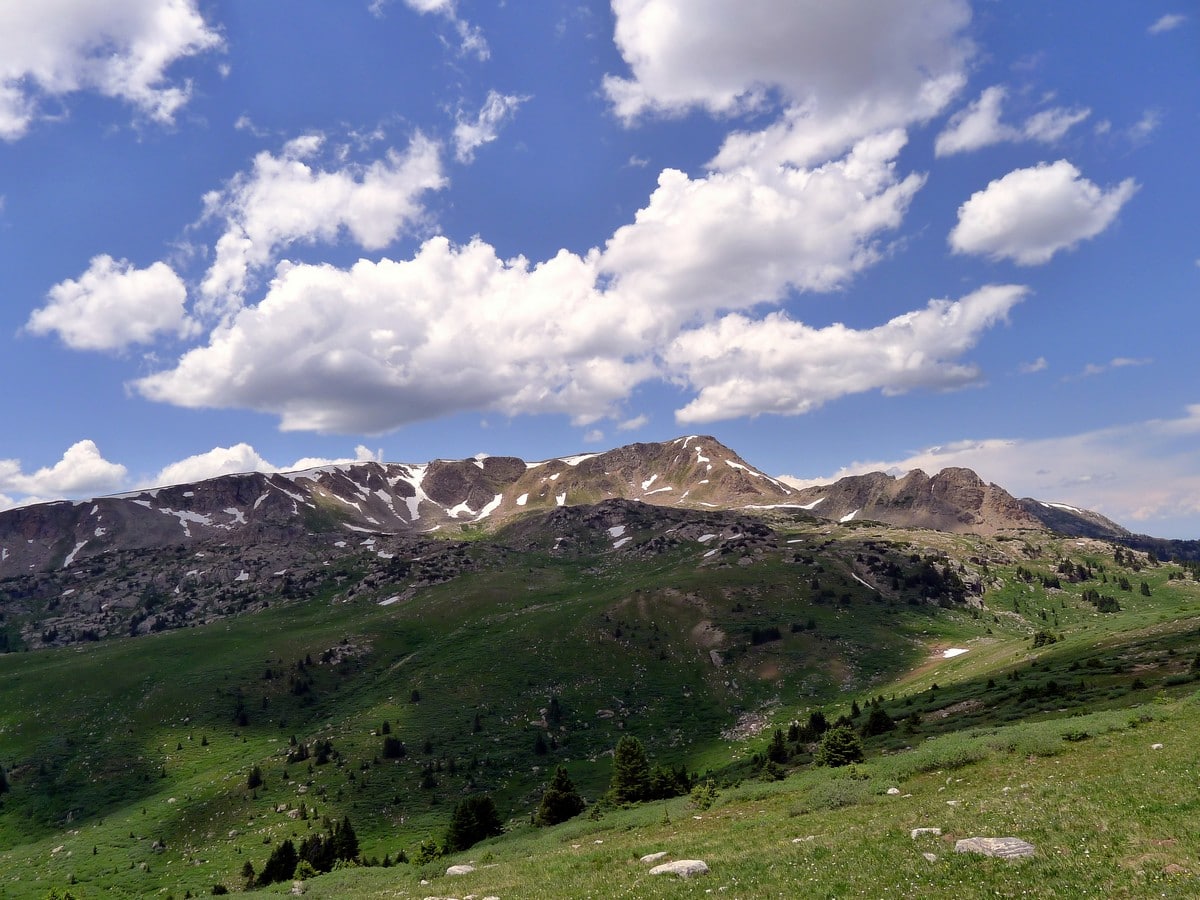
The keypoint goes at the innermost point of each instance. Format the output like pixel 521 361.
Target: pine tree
pixel 281 865
pixel 474 819
pixel 560 800
pixel 631 772
pixel 840 746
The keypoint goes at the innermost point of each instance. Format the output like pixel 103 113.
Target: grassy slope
pixel 117 745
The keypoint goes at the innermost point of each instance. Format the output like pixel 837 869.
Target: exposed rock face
pixel 1001 847
pixel 955 500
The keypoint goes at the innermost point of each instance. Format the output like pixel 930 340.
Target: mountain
pixel 955 500
pixel 446 496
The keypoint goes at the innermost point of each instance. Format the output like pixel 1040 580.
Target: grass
pixel 114 746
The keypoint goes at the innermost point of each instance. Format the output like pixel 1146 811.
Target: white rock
pixel 1003 847
pixel 654 857
pixel 932 857
pixel 460 870
pixel 893 791
pixel 1156 746
pixel 919 832
pixel 684 868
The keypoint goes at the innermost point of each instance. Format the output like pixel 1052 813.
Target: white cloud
pixel 470 135
pixel 113 305
pixel 1031 214
pixel 1120 362
pixel 1038 365
pixel 743 367
pixel 242 458
pixel 843 70
pixel 593 436
pixel 81 470
pixel 979 125
pixel 1050 125
pixel 471 39
pixel 745 236
pixel 121 49
pixel 1167 22
pixel 282 199
pixel 1136 474
pixel 386 343
pixel 1145 126
pixel 633 424
pixel 976 126
pixel 456 328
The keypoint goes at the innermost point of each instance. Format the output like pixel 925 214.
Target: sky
pixel 839 238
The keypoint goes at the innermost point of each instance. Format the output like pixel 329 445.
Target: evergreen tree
pixel 345 841
pixel 281 865
pixel 560 800
pixel 878 722
pixel 474 819
pixel 778 751
pixel 630 773
pixel 840 746
pixel 3 781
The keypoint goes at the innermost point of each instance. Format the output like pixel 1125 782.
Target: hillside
pixel 492 661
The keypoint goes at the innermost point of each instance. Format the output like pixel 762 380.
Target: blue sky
pixel 838 237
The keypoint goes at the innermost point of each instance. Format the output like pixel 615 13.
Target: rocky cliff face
pixel 954 500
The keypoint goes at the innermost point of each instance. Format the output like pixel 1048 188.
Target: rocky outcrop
pixel 955 500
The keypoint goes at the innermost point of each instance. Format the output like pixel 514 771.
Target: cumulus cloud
pixel 283 199
pixel 842 70
pixel 82 469
pixel 979 125
pixel 386 343
pixel 121 49
pixel 485 128
pixel 241 458
pixel 114 305
pixel 1136 474
pixel 1167 22
pixel 1031 214
pixel 742 367
pixel 745 236
pixel 456 328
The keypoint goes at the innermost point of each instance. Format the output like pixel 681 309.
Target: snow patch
pixel 814 504
pixel 576 460
pixel 236 514
pixel 659 490
pixel 390 600
pixel 649 481
pixel 860 581
pixel 561 499
pixel 340 544
pixel 616 531
pixel 490 507
pixel 242 576
pixel 849 517
pixel 100 532
pixel 554 477
pixel 522 500
pixel 705 538
pixel 71 556
pixel 712 552
pixel 617 545
pixel 415 475
pixel 953 652
pixel 1060 506
pixel 262 497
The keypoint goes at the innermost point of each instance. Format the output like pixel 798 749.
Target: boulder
pixel 684 868
pixel 460 870
pixel 920 832
pixel 654 857
pixel 1002 847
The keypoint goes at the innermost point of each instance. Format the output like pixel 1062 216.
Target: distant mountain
pixel 955 500
pixel 445 496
